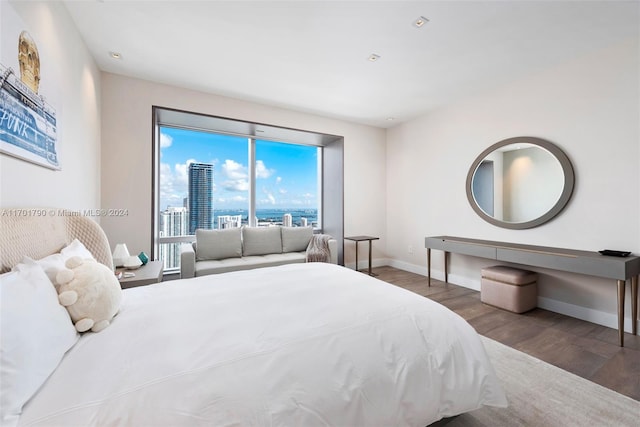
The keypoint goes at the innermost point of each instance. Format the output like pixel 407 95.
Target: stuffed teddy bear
pixel 90 292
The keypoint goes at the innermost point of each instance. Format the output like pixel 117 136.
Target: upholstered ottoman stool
pixel 509 288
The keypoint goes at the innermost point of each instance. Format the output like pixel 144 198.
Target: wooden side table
pixel 362 239
pixel 147 274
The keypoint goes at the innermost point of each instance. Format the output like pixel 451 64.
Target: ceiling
pixel 312 56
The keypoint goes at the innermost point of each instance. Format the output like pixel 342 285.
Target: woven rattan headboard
pixel 38 232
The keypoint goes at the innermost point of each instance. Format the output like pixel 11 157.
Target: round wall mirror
pixel 520 182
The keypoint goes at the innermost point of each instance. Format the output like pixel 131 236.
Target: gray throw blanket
pixel 318 249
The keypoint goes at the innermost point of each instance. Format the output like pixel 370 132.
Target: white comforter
pixel 297 345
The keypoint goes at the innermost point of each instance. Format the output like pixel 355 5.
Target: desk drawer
pixel 460 247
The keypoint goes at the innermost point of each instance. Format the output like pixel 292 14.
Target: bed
pixel 300 344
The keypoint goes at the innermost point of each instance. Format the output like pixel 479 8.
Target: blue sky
pixel 286 173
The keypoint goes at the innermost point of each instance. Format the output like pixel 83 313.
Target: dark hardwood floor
pixel 588 350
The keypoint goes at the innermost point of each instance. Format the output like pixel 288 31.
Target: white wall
pixel 589 107
pixel 126 156
pixel 70 79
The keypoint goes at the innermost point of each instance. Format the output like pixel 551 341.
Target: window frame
pixel 168 117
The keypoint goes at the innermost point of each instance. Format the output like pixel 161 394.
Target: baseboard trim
pixel 363 265
pixel 584 313
pixel 598 317
pixel 412 268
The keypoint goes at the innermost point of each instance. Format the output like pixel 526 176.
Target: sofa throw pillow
pixel 261 240
pixel 296 239
pixel 218 244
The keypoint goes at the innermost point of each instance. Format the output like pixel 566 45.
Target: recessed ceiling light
pixel 373 57
pixel 419 23
pixel 115 55
pixel 390 119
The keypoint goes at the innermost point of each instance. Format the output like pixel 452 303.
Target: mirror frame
pixel 567 191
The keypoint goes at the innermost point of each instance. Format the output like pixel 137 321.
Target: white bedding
pixel 296 345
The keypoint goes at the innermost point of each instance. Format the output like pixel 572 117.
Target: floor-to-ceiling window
pixel 288 187
pixel 205 178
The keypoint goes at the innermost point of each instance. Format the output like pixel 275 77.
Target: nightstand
pixel 147 274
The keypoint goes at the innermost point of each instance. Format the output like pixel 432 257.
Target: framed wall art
pixel 28 123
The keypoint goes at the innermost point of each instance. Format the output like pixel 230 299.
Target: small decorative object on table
pixel 120 254
pixel 143 258
pixel 132 262
pixel 610 252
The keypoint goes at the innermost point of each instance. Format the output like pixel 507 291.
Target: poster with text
pixel 28 123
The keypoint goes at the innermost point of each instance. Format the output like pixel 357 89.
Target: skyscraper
pixel 229 221
pixel 287 220
pixel 200 196
pixel 173 222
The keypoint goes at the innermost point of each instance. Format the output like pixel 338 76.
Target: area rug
pixel 541 395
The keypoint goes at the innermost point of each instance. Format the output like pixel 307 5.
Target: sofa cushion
pixel 261 241
pixel 218 244
pixel 204 268
pixel 296 239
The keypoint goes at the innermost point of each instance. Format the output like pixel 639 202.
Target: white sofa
pixel 221 251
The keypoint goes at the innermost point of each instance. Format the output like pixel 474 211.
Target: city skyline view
pixel 286 174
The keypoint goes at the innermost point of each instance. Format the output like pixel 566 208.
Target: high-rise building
pixel 200 196
pixel 229 221
pixel 173 222
pixel 303 222
pixel 287 220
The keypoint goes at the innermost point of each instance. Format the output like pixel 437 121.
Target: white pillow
pixel 53 263
pixel 36 333
pixel 76 248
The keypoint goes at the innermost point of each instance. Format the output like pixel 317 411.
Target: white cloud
pixel 182 171
pixel 282 191
pixel 270 199
pixel 306 199
pixel 262 171
pixel 236 185
pixel 173 183
pixel 232 199
pixel 237 174
pixel 171 192
pixel 278 180
pixel 234 170
pixel 165 140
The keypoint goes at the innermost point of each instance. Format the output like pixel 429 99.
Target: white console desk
pixel 619 269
